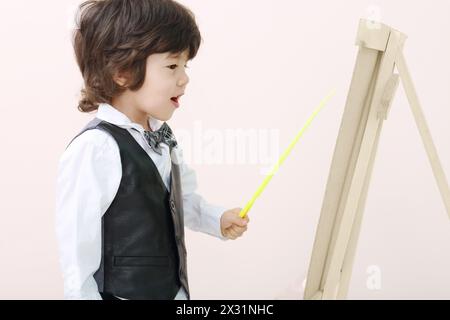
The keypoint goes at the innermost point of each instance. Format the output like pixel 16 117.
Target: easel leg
pixel 347 265
pixel 345 273
pixel 333 276
pixel 424 131
pixel 340 169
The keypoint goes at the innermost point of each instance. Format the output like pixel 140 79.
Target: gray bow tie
pixel 164 134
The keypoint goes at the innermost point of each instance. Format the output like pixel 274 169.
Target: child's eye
pixel 173 66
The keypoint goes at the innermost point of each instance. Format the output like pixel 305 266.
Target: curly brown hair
pixel 117 36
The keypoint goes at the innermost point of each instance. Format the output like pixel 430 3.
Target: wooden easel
pixel 369 99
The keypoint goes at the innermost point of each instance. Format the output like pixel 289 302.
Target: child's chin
pixel 167 117
pixel 163 116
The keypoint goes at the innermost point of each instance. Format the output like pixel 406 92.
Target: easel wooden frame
pixel 369 99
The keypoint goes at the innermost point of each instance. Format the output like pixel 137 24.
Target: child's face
pixel 165 78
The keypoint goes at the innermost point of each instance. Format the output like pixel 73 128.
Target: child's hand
pixel 232 225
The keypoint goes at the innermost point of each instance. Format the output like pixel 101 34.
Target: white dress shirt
pixel 89 175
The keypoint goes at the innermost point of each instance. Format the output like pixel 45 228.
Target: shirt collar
pixel 110 114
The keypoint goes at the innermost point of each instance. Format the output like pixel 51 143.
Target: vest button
pixel 172 204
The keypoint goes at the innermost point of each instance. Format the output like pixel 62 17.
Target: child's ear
pixel 121 79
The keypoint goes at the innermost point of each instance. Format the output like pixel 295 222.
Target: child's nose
pixel 183 80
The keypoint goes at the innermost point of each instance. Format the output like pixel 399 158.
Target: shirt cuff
pixel 211 219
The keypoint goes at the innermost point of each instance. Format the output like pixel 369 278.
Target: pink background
pixel 262 65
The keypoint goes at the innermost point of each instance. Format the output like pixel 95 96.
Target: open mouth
pixel 175 100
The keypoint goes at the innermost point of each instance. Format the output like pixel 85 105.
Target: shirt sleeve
pixel 89 173
pixel 199 215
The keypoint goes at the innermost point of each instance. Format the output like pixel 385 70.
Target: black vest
pixel 143 249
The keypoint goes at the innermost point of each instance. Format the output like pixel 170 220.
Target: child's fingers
pixel 233 234
pixel 229 236
pixel 238 229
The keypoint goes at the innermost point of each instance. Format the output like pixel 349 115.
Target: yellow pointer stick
pixel 283 157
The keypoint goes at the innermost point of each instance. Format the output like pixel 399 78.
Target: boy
pixel 123 191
